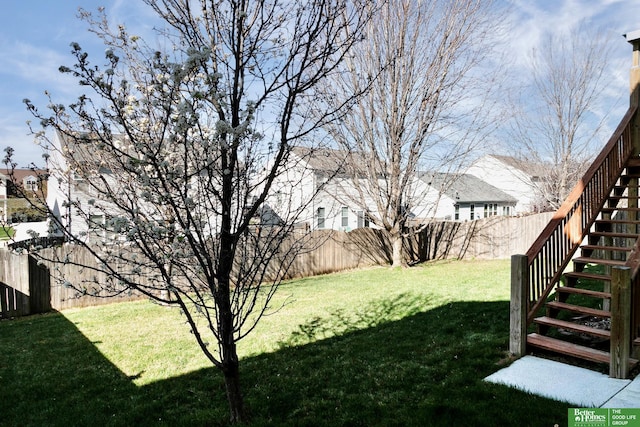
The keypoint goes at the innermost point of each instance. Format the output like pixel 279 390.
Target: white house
pixel 315 188
pixel 78 185
pixel 3 186
pixel 461 197
pixel 71 197
pixel 3 197
pixel 511 175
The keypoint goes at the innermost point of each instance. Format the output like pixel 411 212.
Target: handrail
pixel 550 254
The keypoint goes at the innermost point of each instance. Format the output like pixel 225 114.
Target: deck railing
pixel 552 251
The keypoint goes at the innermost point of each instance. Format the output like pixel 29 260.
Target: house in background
pixel 16 186
pixel 461 197
pixel 315 188
pixel 3 185
pixel 29 181
pixel 314 191
pixel 68 188
pixel 78 180
pixel 515 177
pixel 3 197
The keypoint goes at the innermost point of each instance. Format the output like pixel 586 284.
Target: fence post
pixel 518 305
pixel 620 322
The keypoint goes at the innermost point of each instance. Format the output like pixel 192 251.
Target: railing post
pixel 620 322
pixel 634 86
pixel 518 306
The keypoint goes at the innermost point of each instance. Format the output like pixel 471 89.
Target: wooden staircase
pixel 575 320
pixel 563 289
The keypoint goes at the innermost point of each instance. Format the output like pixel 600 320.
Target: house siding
pixel 511 180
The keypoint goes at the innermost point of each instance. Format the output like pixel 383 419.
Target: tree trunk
pixel 397 259
pixel 229 354
pixel 234 392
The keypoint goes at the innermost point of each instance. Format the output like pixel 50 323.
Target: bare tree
pixel 427 109
pixel 160 162
pixel 560 114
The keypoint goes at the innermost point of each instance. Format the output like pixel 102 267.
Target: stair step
pixel 614 234
pixel 578 309
pixel 617 221
pixel 569 349
pixel 587 260
pixel 591 276
pixel 621 197
pixel 576 327
pixel 607 248
pixel 622 187
pixel 626 209
pixel 586 292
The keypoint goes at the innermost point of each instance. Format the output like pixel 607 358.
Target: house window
pixel 30 184
pixel 490 209
pixel 456 214
pixel 506 211
pixel 472 215
pixel 320 216
pixel 345 217
pixel 363 219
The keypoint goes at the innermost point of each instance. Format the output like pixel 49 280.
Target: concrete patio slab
pixel 629 397
pixel 576 386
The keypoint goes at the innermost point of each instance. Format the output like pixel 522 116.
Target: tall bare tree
pixel 428 106
pixel 560 113
pixel 161 157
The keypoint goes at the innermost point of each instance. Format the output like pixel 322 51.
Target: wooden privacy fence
pixel 490 238
pixel 24 286
pixel 29 287
pixel 32 286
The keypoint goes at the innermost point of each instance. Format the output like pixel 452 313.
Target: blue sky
pixel 35 37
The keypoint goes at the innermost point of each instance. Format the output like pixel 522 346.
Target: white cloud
pixel 32 64
pixel 536 20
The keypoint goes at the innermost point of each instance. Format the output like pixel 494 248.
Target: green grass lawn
pixel 6 232
pixel 376 347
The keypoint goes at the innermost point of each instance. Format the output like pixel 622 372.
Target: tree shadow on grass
pixel 424 369
pixel 51 374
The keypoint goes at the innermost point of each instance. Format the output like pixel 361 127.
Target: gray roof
pixel 461 187
pixel 528 167
pixel 466 188
pixel 322 159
